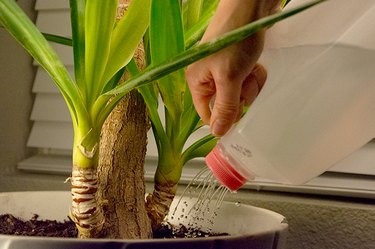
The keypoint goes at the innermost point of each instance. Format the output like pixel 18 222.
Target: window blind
pixel 52 132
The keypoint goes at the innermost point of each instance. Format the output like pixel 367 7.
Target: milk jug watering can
pixel 318 103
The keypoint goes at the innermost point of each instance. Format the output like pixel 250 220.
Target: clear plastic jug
pixel 318 104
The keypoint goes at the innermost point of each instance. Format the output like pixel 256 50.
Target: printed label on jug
pixel 242 150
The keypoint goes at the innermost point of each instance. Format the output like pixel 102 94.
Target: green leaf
pixel 24 31
pixel 200 148
pixel 203 50
pixel 166 40
pixel 77 16
pixel 100 17
pixel 150 97
pixel 192 13
pixel 284 3
pixel 166 31
pixel 189 116
pixel 195 33
pixel 127 35
pixel 115 80
pixel 161 138
pixel 148 92
pixel 58 39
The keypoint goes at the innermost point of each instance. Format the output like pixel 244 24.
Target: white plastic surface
pixel 318 104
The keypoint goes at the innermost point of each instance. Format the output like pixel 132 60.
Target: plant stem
pixel 158 203
pixel 84 211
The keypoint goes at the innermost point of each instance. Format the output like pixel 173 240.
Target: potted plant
pixel 249 227
pixel 103 50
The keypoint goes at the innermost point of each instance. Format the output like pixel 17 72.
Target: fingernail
pixel 219 127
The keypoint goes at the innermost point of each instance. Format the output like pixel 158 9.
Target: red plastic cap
pixel 223 171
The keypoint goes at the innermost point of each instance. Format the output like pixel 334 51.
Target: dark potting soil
pixel 11 225
pixel 35 227
pixel 166 231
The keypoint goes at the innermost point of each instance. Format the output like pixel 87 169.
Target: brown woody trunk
pixel 121 164
pixel 121 174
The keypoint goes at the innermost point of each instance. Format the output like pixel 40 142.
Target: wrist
pixel 232 14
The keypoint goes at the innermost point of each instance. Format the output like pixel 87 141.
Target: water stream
pixel 209 196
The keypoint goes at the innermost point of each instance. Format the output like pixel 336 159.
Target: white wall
pixel 16 78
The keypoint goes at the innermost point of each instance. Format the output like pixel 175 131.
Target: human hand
pixel 232 74
pixel 231 92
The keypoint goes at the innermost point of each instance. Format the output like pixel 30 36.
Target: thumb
pixel 226 107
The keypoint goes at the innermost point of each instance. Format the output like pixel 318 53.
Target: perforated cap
pixel 223 171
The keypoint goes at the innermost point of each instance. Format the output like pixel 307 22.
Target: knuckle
pixel 228 110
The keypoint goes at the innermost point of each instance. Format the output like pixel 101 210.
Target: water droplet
pixel 209 198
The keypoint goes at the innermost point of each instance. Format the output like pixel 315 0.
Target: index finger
pixel 226 106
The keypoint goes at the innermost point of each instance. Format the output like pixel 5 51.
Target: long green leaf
pixel 167 40
pixel 115 80
pixel 200 148
pixel 77 16
pixel 203 50
pixel 166 31
pixel 195 33
pixel 190 117
pixel 192 13
pixel 126 36
pixel 58 39
pixel 151 100
pixel 25 32
pixel 100 17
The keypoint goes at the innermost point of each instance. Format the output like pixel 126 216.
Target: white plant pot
pixel 249 227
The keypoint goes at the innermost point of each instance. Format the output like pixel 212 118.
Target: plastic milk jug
pixel 318 104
